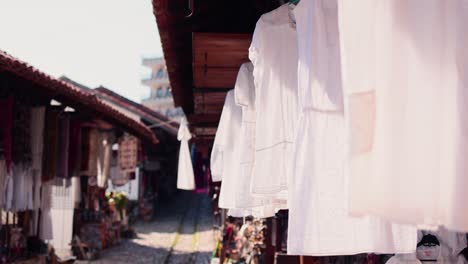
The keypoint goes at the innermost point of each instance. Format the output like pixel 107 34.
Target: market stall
pixel 55 151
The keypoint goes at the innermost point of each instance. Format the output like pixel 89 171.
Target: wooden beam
pixel 204 120
pixel 220 50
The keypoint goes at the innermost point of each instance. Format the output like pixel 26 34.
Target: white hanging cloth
pixel 37 149
pixel 405 71
pixel 224 156
pixel 235 142
pixel 244 97
pixel 3 183
pixel 105 140
pixel 273 53
pixel 185 176
pixel 22 180
pixel 319 223
pixel 61 214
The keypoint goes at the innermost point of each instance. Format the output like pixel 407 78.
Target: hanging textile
pixel 128 154
pixel 75 146
pixel 408 113
pixel 51 135
pixel 9 191
pixel 91 147
pixel 57 214
pixel 3 182
pixel 21 148
pixel 319 223
pixel 37 138
pixel 22 187
pixel 185 175
pixel 224 158
pixel 244 97
pixel 273 53
pixel 37 150
pixel 104 155
pixel 6 130
pixel 63 146
pixel 84 161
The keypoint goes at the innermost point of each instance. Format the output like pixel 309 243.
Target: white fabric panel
pixel 185 176
pixel 319 223
pixel 228 134
pixel 244 92
pixel 273 53
pixel 408 136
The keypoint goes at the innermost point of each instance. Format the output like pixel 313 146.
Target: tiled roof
pixel 154 117
pixel 78 98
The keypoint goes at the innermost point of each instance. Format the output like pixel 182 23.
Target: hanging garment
pixel 63 146
pixel 9 187
pixel 408 122
pixel 75 147
pixel 21 148
pixel 3 182
pixel 85 148
pixel 273 53
pixel 6 130
pixel 225 163
pixel 91 147
pixel 23 192
pixel 185 176
pixel 37 151
pixel 51 135
pixel 244 97
pixel 76 185
pixel 104 155
pixel 57 214
pixel 319 223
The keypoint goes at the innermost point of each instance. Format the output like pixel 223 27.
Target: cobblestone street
pixel 181 232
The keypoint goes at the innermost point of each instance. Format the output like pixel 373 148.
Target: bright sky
pixel 94 42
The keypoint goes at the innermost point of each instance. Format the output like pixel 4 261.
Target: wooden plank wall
pixel 217 58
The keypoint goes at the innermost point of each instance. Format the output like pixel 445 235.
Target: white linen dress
pixel 273 53
pixel 406 77
pixel 319 223
pixel 225 162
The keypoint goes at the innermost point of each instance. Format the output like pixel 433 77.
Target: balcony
pixel 155 82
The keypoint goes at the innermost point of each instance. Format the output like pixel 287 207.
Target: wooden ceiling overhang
pixel 203 52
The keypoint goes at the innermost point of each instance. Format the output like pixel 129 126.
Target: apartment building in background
pixel 160 98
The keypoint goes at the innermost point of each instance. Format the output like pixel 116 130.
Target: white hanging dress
pixel 225 160
pixel 319 223
pixel 262 206
pixel 244 92
pixel 185 176
pixel 273 53
pixel 405 71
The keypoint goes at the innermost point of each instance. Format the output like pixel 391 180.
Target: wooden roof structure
pixel 204 51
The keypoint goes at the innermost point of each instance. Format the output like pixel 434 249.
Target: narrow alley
pixel 181 232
